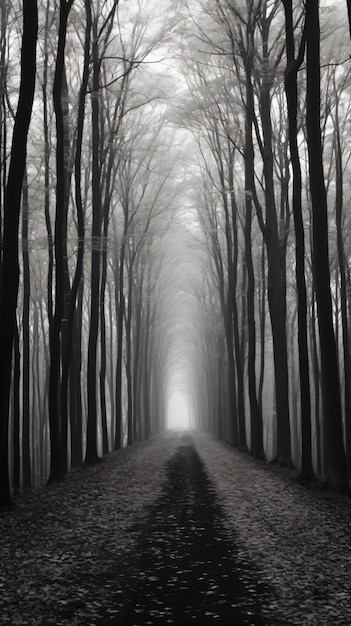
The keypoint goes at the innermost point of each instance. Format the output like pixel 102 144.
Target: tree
pixel 91 453
pixel 291 90
pixel 68 352
pixel 256 416
pixel 337 466
pixel 59 248
pixel 27 482
pixel 10 265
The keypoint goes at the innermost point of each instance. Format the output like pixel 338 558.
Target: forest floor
pixel 182 529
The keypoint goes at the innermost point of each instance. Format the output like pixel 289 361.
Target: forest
pixel 175 231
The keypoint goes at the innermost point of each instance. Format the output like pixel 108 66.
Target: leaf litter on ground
pixel 299 538
pixel 58 546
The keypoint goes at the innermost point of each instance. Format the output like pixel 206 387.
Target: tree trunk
pixel 291 91
pixel 76 393
pixel 69 340
pixel 137 357
pixel 16 449
pixel 128 327
pixel 120 317
pixel 92 454
pixel 276 278
pixel 10 278
pixel 111 364
pixel 243 308
pixel 238 360
pixel 343 288
pixel 255 410
pixel 26 460
pixel 103 357
pixel 59 246
pixel 46 131
pixel 3 124
pixel 316 384
pixel 262 327
pixel 146 374
pixel 337 466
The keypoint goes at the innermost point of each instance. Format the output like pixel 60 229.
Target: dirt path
pixel 184 569
pixel 167 532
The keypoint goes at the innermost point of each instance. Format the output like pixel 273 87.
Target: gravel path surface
pixel 161 534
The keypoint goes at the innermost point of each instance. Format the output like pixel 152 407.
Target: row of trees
pixel 271 117
pixel 253 327
pixel 81 127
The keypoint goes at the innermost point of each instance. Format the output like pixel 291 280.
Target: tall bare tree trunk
pixel 332 413
pixel 59 246
pixel 255 410
pixel 46 132
pixel 119 360
pixel 292 100
pixel 3 124
pixel 276 265
pixel 343 287
pixel 16 447
pixel 26 460
pixel 92 454
pixel 69 354
pixel 10 278
pixel 128 328
pixel 238 360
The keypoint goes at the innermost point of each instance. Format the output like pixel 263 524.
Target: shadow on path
pixel 185 569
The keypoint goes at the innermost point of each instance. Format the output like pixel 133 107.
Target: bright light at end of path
pixel 177 411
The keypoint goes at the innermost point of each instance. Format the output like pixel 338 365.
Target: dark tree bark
pixel 291 91
pixel 95 283
pixel 332 413
pixel 16 447
pixel 91 453
pixel 238 359
pixel 137 357
pixel 3 125
pixel 12 206
pixel 262 327
pixel 65 344
pixel 228 323
pixel 120 317
pixel 293 385
pixel 276 263
pixel 59 249
pixel 110 173
pixel 255 410
pixel 220 382
pixel 343 287
pixel 75 384
pixel 146 374
pixel 68 354
pixel 316 382
pixel 243 308
pixel 26 460
pixel 46 131
pixel 103 356
pixel 111 376
pixel 128 328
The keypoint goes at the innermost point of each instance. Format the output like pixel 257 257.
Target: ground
pixel 182 529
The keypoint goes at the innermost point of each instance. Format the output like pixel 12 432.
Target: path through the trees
pixel 182 529
pixel 185 569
